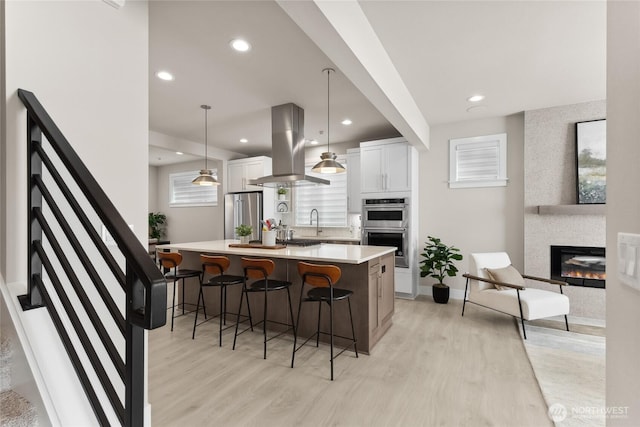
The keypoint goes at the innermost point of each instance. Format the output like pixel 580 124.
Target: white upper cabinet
pixel 240 171
pixel 385 166
pixel 353 181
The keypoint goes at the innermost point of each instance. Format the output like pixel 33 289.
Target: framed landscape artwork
pixel 591 162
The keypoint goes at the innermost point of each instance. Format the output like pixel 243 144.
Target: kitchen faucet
pixel 317 220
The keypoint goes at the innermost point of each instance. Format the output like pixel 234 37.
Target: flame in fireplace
pixel 596 275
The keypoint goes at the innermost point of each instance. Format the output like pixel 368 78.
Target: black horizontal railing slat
pixel 144 285
pixel 106 340
pixel 81 333
pixel 82 255
pixel 82 217
pixel 73 354
pixel 133 251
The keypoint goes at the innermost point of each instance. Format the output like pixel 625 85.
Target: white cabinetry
pixel 386 166
pixel 353 181
pixel 240 171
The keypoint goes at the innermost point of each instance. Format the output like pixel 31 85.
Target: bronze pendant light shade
pixel 206 175
pixel 328 163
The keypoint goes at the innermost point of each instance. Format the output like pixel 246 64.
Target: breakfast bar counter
pixel 366 270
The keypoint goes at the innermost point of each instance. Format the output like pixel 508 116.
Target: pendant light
pixel 328 163
pixel 206 175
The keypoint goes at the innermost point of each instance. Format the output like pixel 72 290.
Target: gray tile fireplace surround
pixel 549 157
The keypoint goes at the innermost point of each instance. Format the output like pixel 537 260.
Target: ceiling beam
pixel 343 32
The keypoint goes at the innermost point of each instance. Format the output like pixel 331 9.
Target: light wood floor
pixel 433 368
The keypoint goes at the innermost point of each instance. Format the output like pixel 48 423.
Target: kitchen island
pixel 366 270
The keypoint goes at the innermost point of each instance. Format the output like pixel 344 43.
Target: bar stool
pixel 321 278
pixel 171 261
pixel 216 267
pixel 260 270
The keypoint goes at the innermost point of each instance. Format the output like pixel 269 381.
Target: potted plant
pixel 156 225
pixel 282 193
pixel 244 231
pixel 438 263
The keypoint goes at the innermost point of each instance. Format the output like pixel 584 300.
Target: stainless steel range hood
pixel 287 145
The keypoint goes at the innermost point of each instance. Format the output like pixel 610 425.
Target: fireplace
pixel 578 265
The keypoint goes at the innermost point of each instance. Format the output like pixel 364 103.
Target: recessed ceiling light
pixel 164 75
pixel 313 142
pixel 475 98
pixel 244 140
pixel 240 45
pixel 179 153
pixel 347 122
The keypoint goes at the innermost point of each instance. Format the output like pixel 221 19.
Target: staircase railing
pixel 142 282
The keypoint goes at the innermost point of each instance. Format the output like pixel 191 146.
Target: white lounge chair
pixel 493 283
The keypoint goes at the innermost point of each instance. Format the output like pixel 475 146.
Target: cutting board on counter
pixel 255 246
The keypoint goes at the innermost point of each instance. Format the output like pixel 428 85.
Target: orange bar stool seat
pixel 259 270
pixel 213 275
pixel 171 261
pixel 321 279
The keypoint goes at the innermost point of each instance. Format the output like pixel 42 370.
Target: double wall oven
pixel 385 222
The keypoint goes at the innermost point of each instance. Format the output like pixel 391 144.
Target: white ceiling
pixel 520 55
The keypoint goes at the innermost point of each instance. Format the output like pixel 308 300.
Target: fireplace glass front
pixel 579 265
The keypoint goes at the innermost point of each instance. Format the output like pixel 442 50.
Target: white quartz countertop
pixel 348 254
pixel 331 238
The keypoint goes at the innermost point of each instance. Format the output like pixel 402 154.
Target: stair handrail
pixel 143 282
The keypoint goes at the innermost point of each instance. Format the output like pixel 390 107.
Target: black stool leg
pixel 195 320
pixel 566 322
pixel 183 296
pixel 295 331
pixel 331 330
pixel 173 306
pixel 293 325
pixel 235 337
pixel 353 331
pixel 318 326
pixel 264 321
pixel 246 295
pixel 222 313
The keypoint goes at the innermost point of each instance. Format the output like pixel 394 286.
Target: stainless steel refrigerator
pixel 243 208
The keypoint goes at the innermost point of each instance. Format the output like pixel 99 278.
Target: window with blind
pixel 329 200
pixel 183 193
pixel 480 161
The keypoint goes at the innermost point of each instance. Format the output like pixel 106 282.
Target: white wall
pixel 87 62
pixel 623 206
pixel 153 189
pixel 472 219
pixel 3 143
pixel 95 86
pixel 190 224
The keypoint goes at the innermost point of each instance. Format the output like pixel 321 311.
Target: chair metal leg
pixel 182 296
pixel 566 322
pixel 524 332
pixel 464 298
pixel 195 320
pixel 173 306
pixel 291 311
pixel 235 337
pixel 295 331
pixel 318 327
pixel 331 330
pixel 353 331
pixel 264 321
pixel 246 295
pixel 222 313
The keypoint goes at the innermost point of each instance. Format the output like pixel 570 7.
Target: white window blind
pixel 479 161
pixel 329 200
pixel 183 193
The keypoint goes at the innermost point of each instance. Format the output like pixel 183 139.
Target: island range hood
pixel 287 145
